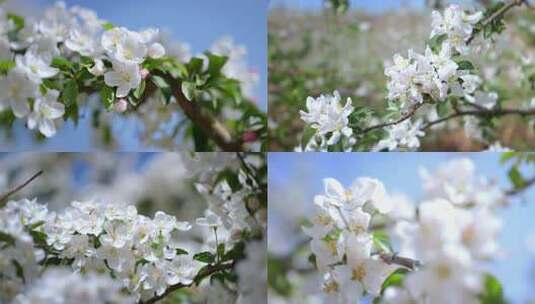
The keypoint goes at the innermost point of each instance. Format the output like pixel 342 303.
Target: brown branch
pixel 408 263
pixel 498 14
pixel 4 197
pixel 210 126
pixel 485 113
pixel 407 115
pixel 205 272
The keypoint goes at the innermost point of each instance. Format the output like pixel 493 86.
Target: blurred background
pixel 188 26
pixel 318 46
pixel 295 178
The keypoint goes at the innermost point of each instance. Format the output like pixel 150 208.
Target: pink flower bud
pixel 120 105
pixel 144 73
pixel 249 136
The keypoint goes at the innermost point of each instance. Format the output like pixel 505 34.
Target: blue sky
pixel 399 172
pixel 198 23
pixel 369 5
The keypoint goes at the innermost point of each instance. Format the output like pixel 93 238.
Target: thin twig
pixel 480 113
pixel 6 195
pixel 408 263
pixel 407 115
pixel 206 272
pixel 498 14
pixel 515 191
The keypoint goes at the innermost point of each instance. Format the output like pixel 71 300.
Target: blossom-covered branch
pixel 49 68
pixel 424 90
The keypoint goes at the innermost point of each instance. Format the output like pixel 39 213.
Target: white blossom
pixel 46 109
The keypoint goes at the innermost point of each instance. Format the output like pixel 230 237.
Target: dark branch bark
pixel 210 126
pixel 408 263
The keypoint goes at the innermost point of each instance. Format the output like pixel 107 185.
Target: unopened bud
pixel 120 105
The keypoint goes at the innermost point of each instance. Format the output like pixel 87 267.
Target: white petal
pixel 47 127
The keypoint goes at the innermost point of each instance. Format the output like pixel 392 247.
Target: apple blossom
pixel 124 76
pixel 17 90
pixel 35 67
pixel 45 110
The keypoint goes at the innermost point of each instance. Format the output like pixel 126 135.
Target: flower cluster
pixel 342 243
pixel 75 33
pixel 138 251
pixel 330 118
pixel 448 237
pixel 456 230
pixel 232 210
pixel 63 286
pixel 436 73
pixel 18 253
pixel 402 135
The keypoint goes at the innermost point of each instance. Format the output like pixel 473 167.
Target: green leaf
pixel 19 270
pixel 107 95
pixel 6 66
pixel 70 92
pixel 139 91
pixel 39 238
pixel 221 250
pixel 36 225
pixel 308 133
pixel 231 88
pixel 381 241
pixel 204 257
pixel 493 291
pixel 236 253
pixel 215 63
pixel 180 251
pixel 195 65
pixel 436 43
pixel 277 276
pixel 7 238
pixel 62 64
pixel 516 177
pixel 107 26
pixel 506 156
pixel 164 88
pixel 188 89
pixel 17 20
pixel 395 279
pixel 465 65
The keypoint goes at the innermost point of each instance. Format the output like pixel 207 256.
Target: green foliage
pixel 339 6
pixel 435 43
pixel 17 20
pixel 493 292
pixel 107 95
pixel 381 241
pixel 395 279
pixel 277 276
pixel 465 65
pixel 7 239
pixel 205 257
pixel 495 26
pixel 5 66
